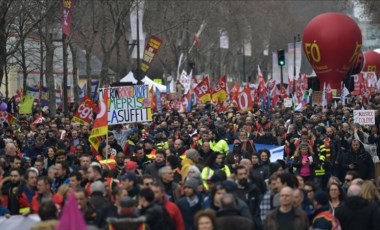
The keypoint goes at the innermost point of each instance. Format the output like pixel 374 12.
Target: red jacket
pixel 174 213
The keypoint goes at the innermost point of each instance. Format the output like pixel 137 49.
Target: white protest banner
pixel 364 117
pixel 17 222
pixel 129 104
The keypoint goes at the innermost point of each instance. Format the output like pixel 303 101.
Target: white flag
pixel 324 99
pixel 224 40
pixel 247 48
pixel 133 19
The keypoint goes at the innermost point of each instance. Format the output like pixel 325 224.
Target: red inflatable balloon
pixel 372 62
pixel 332 42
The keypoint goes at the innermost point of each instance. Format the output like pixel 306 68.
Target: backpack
pixel 326 218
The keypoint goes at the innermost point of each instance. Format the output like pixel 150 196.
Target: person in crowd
pixel 170 207
pixel 129 182
pixel 356 212
pixel 98 192
pixel 9 187
pixel 159 162
pixel 370 192
pixel 172 189
pixel 229 217
pixel 192 158
pixel 266 204
pixel 304 161
pixel 43 192
pixel 88 211
pixel 191 203
pixel 360 161
pixel 150 210
pixel 258 171
pixel 323 217
pixel 21 201
pixel 205 220
pixel 349 177
pixel 285 215
pixel 62 175
pixel 213 164
pixel 310 190
pixel 50 159
pixel 336 195
pixel 140 158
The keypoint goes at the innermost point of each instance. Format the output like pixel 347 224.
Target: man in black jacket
pixel 356 212
pixel 150 210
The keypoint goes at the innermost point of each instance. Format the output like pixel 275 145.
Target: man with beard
pixel 248 191
pixel 10 185
pixel 115 147
pixel 140 158
pixel 21 201
pixel 120 166
pixel 160 161
pixel 180 149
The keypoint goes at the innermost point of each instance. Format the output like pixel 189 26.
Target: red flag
pixel 203 91
pixel 84 112
pixel 67 12
pixel 274 96
pixel 244 101
pixel 38 120
pixel 290 86
pixel 71 217
pixel 198 34
pixel 304 82
pixel 100 127
pixel 220 91
pixel 262 89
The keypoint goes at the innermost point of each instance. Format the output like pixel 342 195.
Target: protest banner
pixel 129 104
pixel 151 49
pixel 364 117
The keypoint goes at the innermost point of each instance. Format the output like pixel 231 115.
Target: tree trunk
pixel 49 74
pixel 73 51
pixel 104 78
pixel 88 72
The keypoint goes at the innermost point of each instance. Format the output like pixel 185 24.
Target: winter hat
pixel 191 183
pixel 321 198
pixel 192 154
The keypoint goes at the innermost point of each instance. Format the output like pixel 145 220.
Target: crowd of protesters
pixel 180 172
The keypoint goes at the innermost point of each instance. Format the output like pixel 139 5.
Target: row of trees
pixel 100 28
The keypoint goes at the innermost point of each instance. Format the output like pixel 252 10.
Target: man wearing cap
pixel 192 157
pixel 133 137
pixel 149 149
pixel 191 203
pixel 129 182
pixel 323 218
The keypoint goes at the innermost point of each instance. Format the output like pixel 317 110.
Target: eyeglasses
pixel 308 191
pixel 148 184
pixel 347 180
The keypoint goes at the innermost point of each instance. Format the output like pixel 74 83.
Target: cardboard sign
pixel 364 117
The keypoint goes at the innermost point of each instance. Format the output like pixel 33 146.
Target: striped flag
pixel 100 127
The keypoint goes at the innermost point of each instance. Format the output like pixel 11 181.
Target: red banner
pixel 151 49
pixel 245 100
pixel 220 91
pixel 84 111
pixel 67 12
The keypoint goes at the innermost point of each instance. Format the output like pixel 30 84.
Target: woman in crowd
pixel 336 195
pixel 304 162
pixel 205 220
pixel 370 192
pixel 214 164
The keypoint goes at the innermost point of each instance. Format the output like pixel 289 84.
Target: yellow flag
pixel 26 105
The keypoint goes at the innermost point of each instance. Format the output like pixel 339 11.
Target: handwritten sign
pixel 129 104
pixel 364 117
